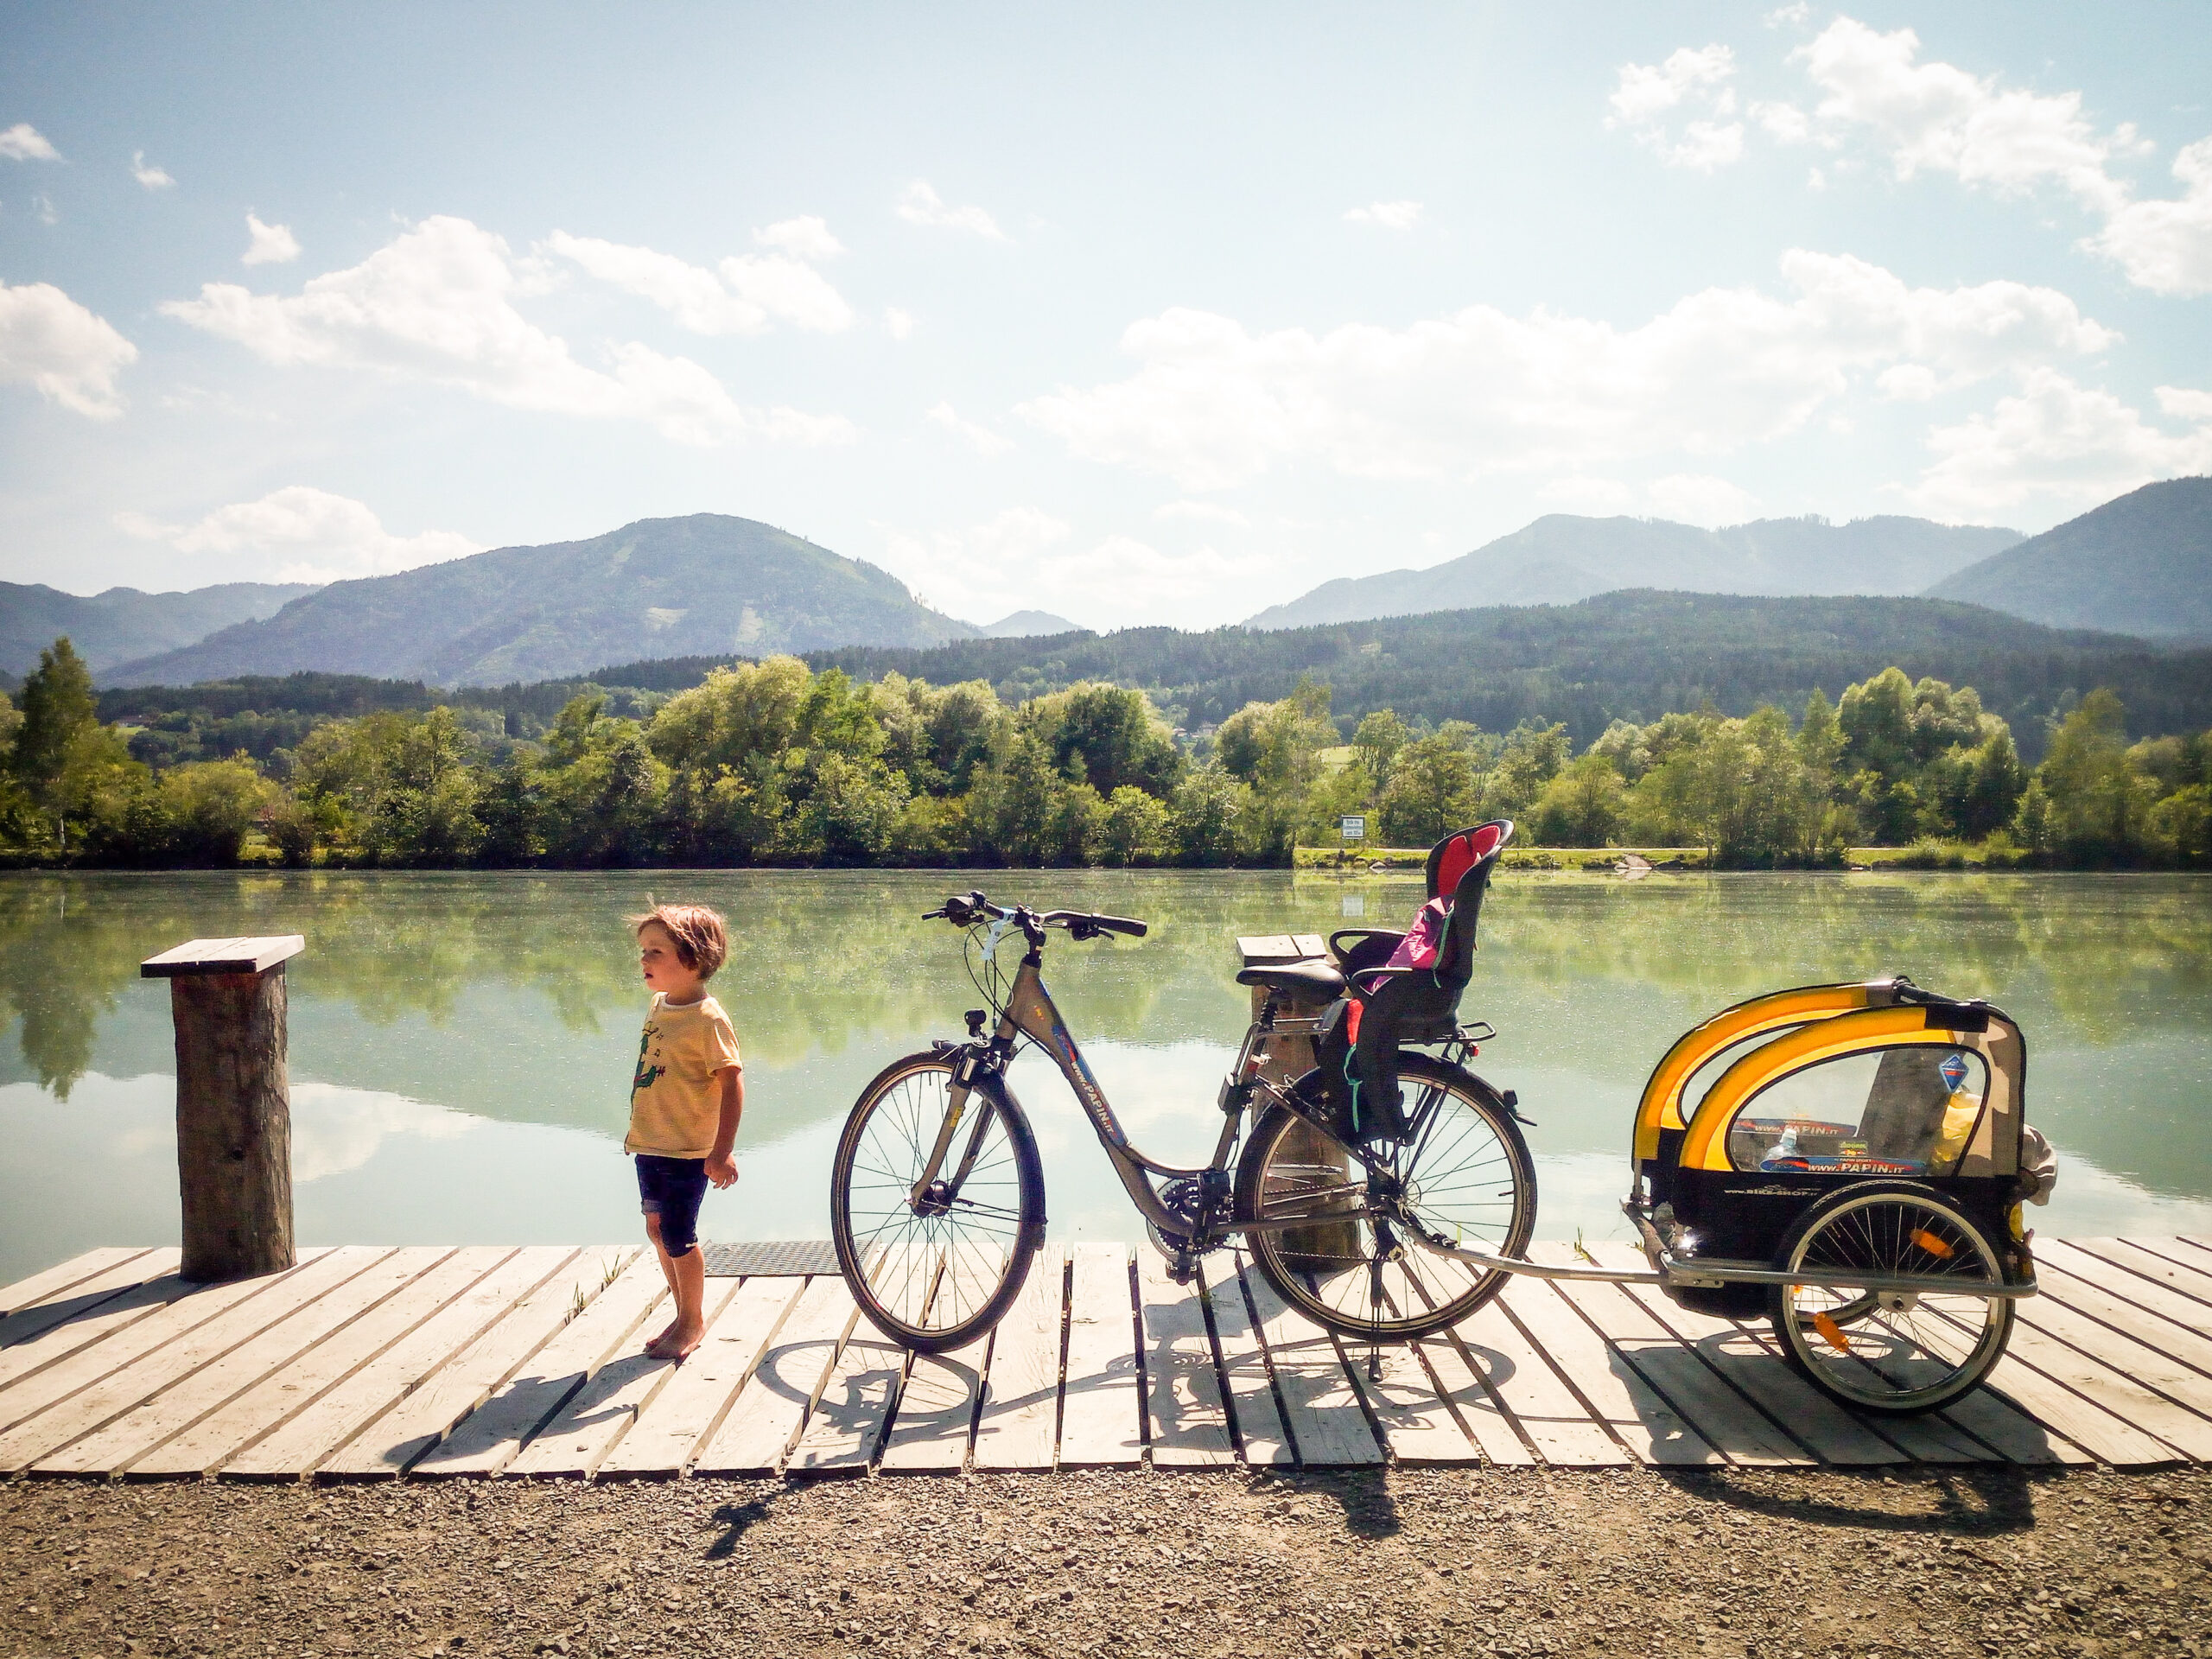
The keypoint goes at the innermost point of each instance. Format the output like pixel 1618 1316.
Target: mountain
pixel 1023 625
pixel 123 623
pixel 1562 558
pixel 1631 655
pixel 705 584
pixel 2141 563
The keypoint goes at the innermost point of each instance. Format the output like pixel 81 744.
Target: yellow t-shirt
pixel 675 1102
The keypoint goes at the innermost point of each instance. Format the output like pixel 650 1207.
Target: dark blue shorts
pixel 671 1188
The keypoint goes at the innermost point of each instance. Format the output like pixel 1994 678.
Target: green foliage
pixel 775 763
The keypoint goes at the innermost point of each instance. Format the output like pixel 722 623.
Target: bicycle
pixel 937 1192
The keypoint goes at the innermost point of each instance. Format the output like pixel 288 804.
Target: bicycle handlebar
pixel 964 910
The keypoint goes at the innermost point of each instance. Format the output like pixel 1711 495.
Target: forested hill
pixel 122 623
pixel 2142 562
pixel 707 582
pixel 1633 655
pixel 1562 557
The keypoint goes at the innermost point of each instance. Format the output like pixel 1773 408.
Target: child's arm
pixel 720 1169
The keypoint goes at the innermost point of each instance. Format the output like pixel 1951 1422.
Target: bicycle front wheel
pixel 935 1263
pixel 1465 1176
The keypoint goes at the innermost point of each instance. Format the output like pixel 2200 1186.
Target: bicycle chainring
pixel 1186 1200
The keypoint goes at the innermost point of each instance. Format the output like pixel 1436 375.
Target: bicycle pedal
pixel 1183 1270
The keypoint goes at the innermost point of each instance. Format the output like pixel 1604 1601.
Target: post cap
pixel 1265 950
pixel 243 955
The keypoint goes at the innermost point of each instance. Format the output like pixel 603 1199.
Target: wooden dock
pixel 370 1362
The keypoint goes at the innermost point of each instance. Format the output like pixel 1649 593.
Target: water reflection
pixel 459 1042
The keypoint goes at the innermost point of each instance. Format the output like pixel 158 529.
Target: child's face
pixel 663 967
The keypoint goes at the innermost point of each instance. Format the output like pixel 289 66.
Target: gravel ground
pixel 1775 1563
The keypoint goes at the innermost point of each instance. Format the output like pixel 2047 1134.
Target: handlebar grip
pixel 1136 930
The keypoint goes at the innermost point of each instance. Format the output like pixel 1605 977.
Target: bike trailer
pixel 1774 1107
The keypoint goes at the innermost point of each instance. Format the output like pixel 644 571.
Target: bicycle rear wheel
pixel 1466 1176
pixel 935 1270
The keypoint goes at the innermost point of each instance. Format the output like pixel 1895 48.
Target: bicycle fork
pixel 931 1195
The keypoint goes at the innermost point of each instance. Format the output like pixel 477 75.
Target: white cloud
pixel 1796 12
pixel 1700 498
pixel 2167 246
pixel 982 439
pixel 320 537
pixel 153 178
pixel 2063 444
pixel 437 304
pixel 1784 123
pixel 43 206
pixel 1206 512
pixel 48 340
pixel 804 238
pixel 1647 94
pixel 1390 215
pixel 25 142
pixel 897 323
pixel 743 295
pixel 1212 404
pixel 1938 117
pixel 335 1128
pixel 1596 497
pixel 269 245
pixel 920 205
pixel 1647 90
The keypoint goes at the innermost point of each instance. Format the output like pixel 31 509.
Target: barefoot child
pixel 685 1101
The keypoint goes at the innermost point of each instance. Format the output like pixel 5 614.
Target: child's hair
pixel 701 942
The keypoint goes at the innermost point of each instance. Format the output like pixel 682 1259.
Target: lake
pixel 462 1045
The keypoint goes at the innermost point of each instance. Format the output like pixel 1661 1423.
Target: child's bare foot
pixel 684 1342
pixel 657 1347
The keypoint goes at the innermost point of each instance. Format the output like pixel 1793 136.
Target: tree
pixel 1377 743
pixel 1112 735
pixel 2099 803
pixel 1135 829
pixel 1433 789
pixel 1581 807
pixel 211 806
pixel 54 759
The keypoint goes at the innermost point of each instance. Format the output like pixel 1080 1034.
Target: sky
pixel 1145 314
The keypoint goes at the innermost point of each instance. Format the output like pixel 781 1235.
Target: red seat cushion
pixel 1461 854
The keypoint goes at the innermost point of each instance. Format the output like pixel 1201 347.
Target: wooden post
pixel 1288 1058
pixel 233 1107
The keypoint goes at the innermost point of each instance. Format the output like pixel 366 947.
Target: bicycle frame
pixel 1030 1012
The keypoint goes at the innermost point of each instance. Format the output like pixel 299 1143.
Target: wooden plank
pixel 938 1406
pixel 1101 1415
pixel 1728 1421
pixel 77 1394
pixel 299 1445
pixel 689 1406
pixel 2184 1423
pixel 88 1312
pixel 1615 1391
pixel 2006 1430
pixel 1259 1433
pixel 1508 1385
pixel 1018 1427
pixel 1491 1428
pixel 488 1439
pixel 74 1275
pixel 2093 1408
pixel 1760 1374
pixel 2142 1257
pixel 292 1388
pixel 122 1443
pixel 2147 1311
pixel 1407 1406
pixel 248 955
pixel 1189 1423
pixel 1320 1405
pixel 573 1442
pixel 769 1411
pixel 849 1415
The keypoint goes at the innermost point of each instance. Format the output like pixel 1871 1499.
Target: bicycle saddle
pixel 1307 979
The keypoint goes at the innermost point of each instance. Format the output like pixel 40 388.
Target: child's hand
pixel 722 1170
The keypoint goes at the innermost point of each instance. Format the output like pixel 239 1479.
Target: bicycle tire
pixel 1422 1291
pixel 1897 1357
pixel 933 1282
